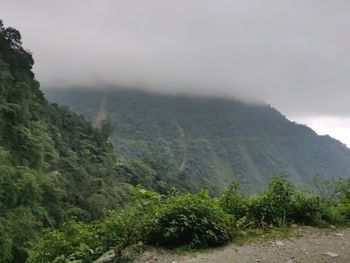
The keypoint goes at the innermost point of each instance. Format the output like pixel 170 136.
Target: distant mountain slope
pixel 214 141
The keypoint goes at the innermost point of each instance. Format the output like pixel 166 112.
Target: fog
pixel 291 54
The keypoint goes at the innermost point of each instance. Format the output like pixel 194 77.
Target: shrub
pixel 193 220
pixel 343 207
pixel 81 242
pixel 232 202
pixel 274 206
pixel 127 227
pixel 190 220
pixel 308 209
pixel 74 241
pixel 281 204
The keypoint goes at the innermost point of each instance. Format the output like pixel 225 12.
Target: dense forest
pixel 66 197
pixel 53 163
pixel 209 141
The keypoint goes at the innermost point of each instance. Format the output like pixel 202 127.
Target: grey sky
pixel 292 54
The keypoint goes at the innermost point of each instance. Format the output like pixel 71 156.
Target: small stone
pixel 174 261
pixel 339 234
pixel 279 243
pixel 294 225
pixel 331 254
pixel 290 261
pixel 106 257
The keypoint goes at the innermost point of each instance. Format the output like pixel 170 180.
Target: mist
pixel 291 54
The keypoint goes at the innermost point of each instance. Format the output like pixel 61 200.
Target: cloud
pixel 338 127
pixel 292 54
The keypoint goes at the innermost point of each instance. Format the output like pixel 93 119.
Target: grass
pixel 264 234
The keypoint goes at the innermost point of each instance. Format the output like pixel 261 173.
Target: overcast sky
pixel 292 54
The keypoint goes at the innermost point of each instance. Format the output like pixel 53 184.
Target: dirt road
pixel 306 245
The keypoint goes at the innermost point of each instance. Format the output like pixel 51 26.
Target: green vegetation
pixel 195 220
pixel 53 163
pixel 211 141
pixel 282 204
pixel 65 196
pixel 190 221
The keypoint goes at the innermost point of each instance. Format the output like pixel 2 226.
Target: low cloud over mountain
pixel 292 54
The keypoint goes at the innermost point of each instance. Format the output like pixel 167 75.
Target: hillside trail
pixel 305 245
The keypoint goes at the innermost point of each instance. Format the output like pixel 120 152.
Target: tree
pixel 13 36
pixel 326 188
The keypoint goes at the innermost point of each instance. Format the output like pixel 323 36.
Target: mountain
pixel 209 142
pixel 54 164
pixel 58 172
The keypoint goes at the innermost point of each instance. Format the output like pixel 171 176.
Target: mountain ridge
pixel 214 140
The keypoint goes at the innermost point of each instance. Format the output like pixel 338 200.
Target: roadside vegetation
pixel 65 197
pixel 191 221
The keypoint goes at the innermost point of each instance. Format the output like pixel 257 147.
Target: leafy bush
pixel 193 220
pixel 343 206
pixel 190 220
pixel 274 206
pixel 281 204
pixel 83 242
pixel 74 241
pixel 308 209
pixel 232 202
pixel 133 224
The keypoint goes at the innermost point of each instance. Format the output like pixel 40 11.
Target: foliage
pixel 189 220
pixel 310 210
pixel 73 242
pixel 344 202
pixel 137 173
pixel 58 172
pixel 212 140
pixel 328 188
pixel 274 205
pixel 133 224
pixel 53 163
pixel 282 204
pixel 195 220
pixel 23 211
pixel 232 202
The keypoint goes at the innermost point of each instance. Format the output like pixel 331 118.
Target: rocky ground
pixel 305 244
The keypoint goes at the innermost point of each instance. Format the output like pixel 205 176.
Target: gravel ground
pixel 306 245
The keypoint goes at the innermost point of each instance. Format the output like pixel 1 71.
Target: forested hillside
pixel 53 163
pixel 66 197
pixel 209 141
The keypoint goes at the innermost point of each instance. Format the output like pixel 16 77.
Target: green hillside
pixel 209 141
pixel 66 197
pixel 53 163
